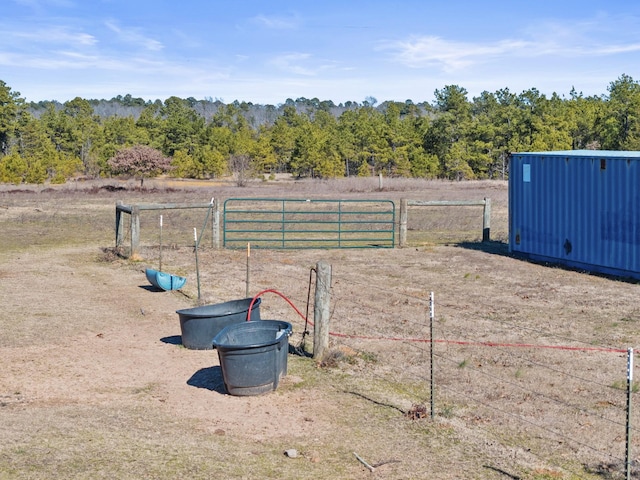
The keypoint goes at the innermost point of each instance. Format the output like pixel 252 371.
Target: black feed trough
pixel 199 325
pixel 253 356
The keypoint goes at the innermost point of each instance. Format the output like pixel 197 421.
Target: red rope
pixel 281 295
pixel 426 340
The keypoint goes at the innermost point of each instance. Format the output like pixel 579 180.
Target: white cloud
pixel 615 49
pixel 276 22
pixel 303 64
pixel 56 35
pixel 293 63
pixel 134 37
pixel 450 55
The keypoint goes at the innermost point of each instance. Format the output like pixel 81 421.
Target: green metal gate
pixel 280 223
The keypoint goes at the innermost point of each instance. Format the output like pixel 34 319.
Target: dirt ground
pixel 94 381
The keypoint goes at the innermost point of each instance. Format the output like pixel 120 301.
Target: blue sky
pixel 267 51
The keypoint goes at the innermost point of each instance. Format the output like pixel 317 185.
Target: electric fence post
pixel 431 317
pixel 195 249
pixel 248 267
pixel 629 392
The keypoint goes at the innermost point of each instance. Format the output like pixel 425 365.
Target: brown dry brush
pixel 417 411
pixel 614 470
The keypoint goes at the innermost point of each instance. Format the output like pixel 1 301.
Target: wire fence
pixel 532 375
pixel 546 398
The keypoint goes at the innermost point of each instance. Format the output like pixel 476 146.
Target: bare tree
pixel 240 165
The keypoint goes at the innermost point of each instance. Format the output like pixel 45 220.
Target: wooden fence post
pixel 486 220
pixel 119 225
pixel 135 230
pixel 215 225
pixel 403 222
pixel 321 311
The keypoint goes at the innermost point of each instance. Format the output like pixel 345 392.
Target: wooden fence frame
pixel 404 214
pixel 134 212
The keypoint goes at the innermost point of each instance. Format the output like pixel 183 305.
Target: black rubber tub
pixel 253 356
pixel 200 324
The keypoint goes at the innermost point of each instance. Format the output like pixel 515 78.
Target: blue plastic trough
pixel 165 281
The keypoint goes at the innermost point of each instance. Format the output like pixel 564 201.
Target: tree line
pixel 453 137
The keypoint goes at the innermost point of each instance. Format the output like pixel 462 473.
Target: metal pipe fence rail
pixel 308 223
pixel 299 223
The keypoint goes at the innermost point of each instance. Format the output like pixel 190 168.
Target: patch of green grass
pixel 369 357
pixel 447 410
pixel 622 385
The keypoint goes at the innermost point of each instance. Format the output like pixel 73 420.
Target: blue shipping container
pixel 579 208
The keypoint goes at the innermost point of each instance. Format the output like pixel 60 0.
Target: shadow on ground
pixel 495 248
pixel 209 378
pixel 172 340
pixel 150 288
pixel 502 248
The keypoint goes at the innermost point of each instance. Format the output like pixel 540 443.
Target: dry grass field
pixel 529 360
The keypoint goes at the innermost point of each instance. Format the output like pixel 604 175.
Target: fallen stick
pixel 371 469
